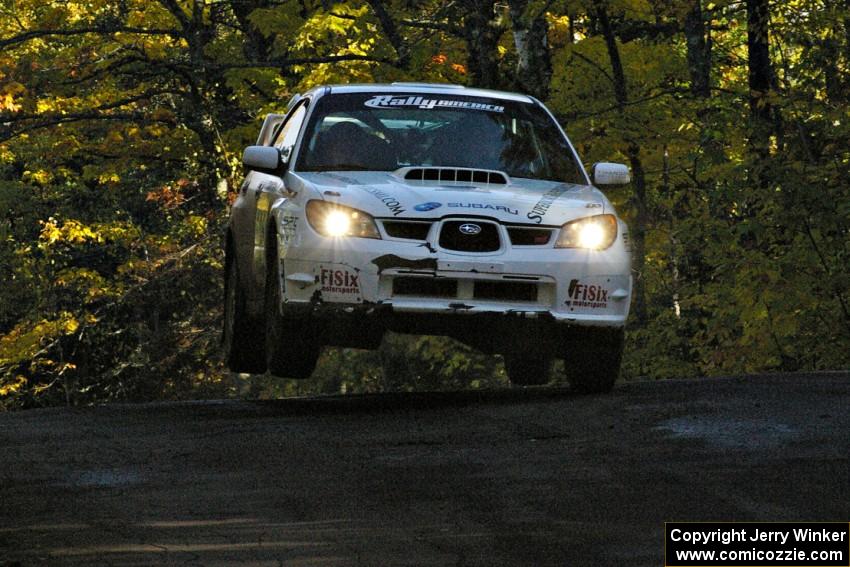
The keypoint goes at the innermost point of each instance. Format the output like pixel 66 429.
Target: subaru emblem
pixel 424 207
pixel 469 228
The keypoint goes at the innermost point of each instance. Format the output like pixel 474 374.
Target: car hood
pixel 521 201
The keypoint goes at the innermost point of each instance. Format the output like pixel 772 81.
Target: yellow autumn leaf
pixel 71 326
pixel 13 386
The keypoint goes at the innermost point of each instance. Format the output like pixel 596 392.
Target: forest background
pixel 122 124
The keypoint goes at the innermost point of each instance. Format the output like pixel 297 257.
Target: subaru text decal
pixel 391 202
pixel 501 208
pixel 424 207
pixel 390 101
pixel 539 210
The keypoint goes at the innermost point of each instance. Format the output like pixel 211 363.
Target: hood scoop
pixel 454 175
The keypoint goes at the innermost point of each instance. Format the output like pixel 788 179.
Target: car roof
pixel 420 88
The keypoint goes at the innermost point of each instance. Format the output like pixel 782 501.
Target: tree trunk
pixel 760 73
pixel 699 51
pixel 391 31
pixel 830 46
pixel 847 31
pixel 534 65
pixel 482 39
pixel 639 226
pixel 198 111
pixel 619 77
pixel 256 47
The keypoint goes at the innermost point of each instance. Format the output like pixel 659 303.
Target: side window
pixel 286 137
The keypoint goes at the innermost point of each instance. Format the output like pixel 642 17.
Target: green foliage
pixel 121 127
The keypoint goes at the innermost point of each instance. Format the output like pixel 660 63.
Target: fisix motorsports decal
pixel 339 282
pixel 587 295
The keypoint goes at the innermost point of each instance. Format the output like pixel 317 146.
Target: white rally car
pixel 427 209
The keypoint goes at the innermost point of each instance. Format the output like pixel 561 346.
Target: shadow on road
pixel 344 404
pixel 524 476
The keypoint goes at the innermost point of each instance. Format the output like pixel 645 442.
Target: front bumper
pixel 570 286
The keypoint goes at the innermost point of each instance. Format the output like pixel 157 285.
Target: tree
pixel 531 41
pixel 121 127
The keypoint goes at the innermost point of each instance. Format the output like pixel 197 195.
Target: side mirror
pixel 604 173
pixel 262 158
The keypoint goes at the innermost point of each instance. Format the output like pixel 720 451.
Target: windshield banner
pixel 390 101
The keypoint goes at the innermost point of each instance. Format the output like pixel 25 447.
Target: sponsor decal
pixel 288 227
pixel 343 282
pixel 469 228
pixel 587 295
pixel 391 202
pixel 484 206
pixel 390 101
pixel 390 261
pixel 424 207
pixel 542 207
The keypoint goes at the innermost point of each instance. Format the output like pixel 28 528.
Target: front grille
pixel 424 287
pixel 505 291
pixel 411 230
pixel 452 237
pixel 529 236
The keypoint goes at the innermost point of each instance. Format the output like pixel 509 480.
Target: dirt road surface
pixel 515 477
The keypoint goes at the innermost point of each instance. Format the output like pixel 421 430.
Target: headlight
pixel 596 233
pixel 330 219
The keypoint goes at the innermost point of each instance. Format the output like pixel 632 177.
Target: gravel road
pixel 513 477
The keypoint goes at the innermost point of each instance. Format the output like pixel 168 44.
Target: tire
pixel 524 370
pixel 241 338
pixel 291 345
pixel 592 364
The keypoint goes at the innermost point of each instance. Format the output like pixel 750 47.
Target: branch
pixel 594 64
pixel 10 118
pixel 112 67
pixel 33 34
pixel 541 13
pixel 80 117
pixel 39 121
pixel 435 21
pixel 659 94
pixel 391 30
pixel 301 61
pixel 431 25
pixel 178 13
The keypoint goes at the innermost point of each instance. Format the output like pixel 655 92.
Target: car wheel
pixel 242 339
pixel 524 370
pixel 592 364
pixel 291 346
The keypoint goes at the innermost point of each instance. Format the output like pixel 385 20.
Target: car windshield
pixel 384 132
